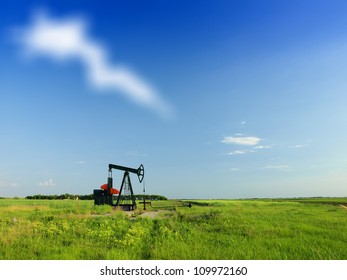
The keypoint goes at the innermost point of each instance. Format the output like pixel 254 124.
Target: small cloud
pixel 243 122
pixel 298 146
pixel 136 154
pixel 246 141
pixel 48 183
pixel 234 169
pixel 241 152
pixel 9 184
pixel 278 167
pixel 80 162
pixel 262 147
pixel 68 39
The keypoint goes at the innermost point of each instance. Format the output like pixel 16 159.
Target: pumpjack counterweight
pixel 125 197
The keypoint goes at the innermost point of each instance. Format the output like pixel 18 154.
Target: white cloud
pixel 234 169
pixel 298 146
pixel 68 39
pixel 80 162
pixel 136 153
pixel 278 167
pixel 262 147
pixel 48 183
pixel 7 184
pixel 246 141
pixel 241 152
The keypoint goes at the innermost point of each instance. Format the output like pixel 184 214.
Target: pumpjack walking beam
pixel 140 171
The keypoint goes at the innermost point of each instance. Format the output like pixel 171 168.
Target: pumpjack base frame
pixel 102 197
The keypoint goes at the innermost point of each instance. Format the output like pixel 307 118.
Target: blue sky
pixel 217 99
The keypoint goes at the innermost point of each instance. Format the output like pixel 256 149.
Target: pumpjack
pixel 125 195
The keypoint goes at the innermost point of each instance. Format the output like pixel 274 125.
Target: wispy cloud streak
pixel 68 39
pixel 241 152
pixel 279 167
pixel 48 183
pixel 246 141
pixel 298 146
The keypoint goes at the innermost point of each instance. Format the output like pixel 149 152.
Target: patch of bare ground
pixel 151 214
pixel 147 214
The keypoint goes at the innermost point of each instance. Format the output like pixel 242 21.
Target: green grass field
pixel 299 229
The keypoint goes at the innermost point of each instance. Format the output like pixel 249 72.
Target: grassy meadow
pixel 300 229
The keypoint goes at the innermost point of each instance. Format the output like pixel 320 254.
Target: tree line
pixel 89 197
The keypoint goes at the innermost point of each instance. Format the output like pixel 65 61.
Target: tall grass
pixel 240 229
